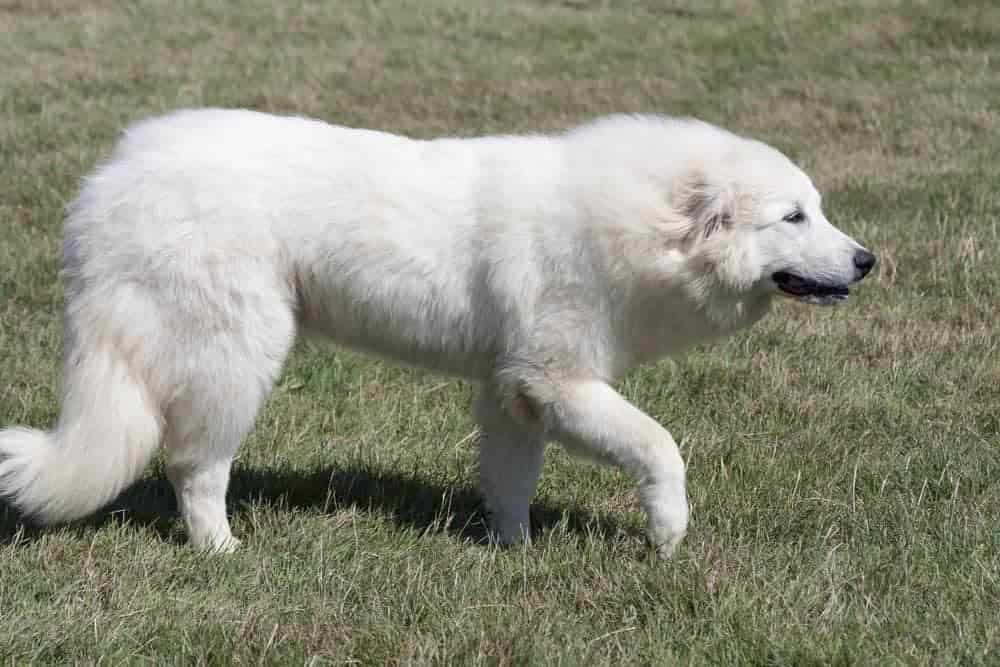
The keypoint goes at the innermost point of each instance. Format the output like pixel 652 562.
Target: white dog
pixel 543 267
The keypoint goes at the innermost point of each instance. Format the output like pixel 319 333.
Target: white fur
pixel 543 267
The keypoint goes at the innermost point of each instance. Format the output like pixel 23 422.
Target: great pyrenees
pixel 541 267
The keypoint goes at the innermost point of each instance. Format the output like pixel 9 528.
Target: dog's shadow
pixel 408 501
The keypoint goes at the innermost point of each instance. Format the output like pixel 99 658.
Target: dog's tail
pixel 107 432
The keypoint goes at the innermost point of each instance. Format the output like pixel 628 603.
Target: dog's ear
pixel 707 207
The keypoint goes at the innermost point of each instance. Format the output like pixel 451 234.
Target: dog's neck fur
pixel 658 323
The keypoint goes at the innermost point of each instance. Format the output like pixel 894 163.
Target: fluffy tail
pixel 107 432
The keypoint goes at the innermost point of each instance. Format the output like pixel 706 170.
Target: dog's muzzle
pixel 863 263
pixel 825 293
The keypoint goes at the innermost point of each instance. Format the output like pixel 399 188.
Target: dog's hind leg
pixel 510 461
pixel 207 422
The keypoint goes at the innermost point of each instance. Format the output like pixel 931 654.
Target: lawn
pixel 844 463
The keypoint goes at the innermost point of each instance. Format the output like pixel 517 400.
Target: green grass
pixel 844 463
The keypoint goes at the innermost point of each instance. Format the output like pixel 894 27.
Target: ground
pixel 844 463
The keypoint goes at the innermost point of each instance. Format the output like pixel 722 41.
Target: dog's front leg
pixel 510 461
pixel 592 419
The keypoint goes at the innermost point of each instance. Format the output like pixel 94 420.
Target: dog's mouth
pixel 808 290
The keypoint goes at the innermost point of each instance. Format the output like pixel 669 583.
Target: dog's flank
pixel 542 267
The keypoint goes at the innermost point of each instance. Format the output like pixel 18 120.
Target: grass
pixel 844 464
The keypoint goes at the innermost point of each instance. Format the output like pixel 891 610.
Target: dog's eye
pixel 795 217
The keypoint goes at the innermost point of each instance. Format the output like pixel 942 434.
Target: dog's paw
pixel 227 546
pixel 667 530
pixel 505 531
pixel 666 549
pixel 223 544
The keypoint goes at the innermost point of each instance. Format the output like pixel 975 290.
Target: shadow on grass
pixel 409 501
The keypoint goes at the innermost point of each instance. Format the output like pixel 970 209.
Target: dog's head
pixel 757 219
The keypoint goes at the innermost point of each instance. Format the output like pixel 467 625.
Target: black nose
pixel 863 261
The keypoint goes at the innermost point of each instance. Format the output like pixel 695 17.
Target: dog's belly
pixel 417 322
pixel 443 354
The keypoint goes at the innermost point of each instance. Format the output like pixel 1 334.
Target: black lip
pixel 799 286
